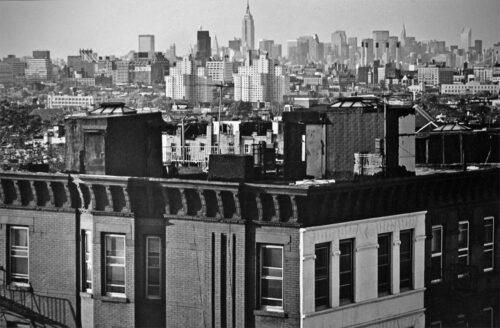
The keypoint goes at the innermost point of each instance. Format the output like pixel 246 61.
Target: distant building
pixel 235 44
pixel 469 88
pixel 367 52
pixel 18 67
pixel 41 54
pixel 185 82
pixel 204 46
pixel 38 70
pixel 380 38
pixel 276 51
pixel 266 45
pixel 220 70
pixel 146 46
pixel 248 31
pixel 263 80
pixel 69 101
pixel 121 72
pixel 6 73
pixel 435 75
pixel 466 38
pixel 339 43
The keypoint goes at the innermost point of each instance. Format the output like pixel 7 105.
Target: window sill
pixel 114 299
pixel 86 295
pixel 268 313
pixel 19 286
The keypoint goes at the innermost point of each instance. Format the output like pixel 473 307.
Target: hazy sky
pixel 112 26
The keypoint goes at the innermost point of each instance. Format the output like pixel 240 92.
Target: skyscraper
pixel 146 46
pixel 339 42
pixel 204 46
pixel 466 38
pixel 380 38
pixel 248 31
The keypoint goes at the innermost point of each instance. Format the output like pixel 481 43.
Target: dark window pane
pixel 271 288
pixel 272 257
pixel 488 231
pixel 322 277
pixel 406 254
pixel 384 261
pixel 346 272
pixel 436 240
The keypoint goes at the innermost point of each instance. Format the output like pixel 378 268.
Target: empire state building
pixel 247 31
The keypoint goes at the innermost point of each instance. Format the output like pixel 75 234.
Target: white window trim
pixel 117 265
pixel 269 307
pixel 15 283
pixel 88 236
pixel 464 250
pixel 148 238
pixel 440 254
pixel 436 324
pixel 490 245
pixel 490 309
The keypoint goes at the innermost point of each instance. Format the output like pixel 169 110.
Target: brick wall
pixel 52 251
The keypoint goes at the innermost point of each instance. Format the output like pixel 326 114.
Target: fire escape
pixel 37 310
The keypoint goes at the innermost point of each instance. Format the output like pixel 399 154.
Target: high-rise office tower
pixel 367 52
pixel 204 46
pixel 380 38
pixel 466 38
pixel 146 46
pixel 339 41
pixel 41 54
pixel 235 44
pixel 478 46
pixel 248 31
pixel 266 45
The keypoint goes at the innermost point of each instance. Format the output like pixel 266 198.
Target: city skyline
pixel 120 22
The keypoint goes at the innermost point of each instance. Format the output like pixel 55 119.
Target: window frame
pixel 106 264
pixel 464 251
pixel 87 261
pixel 350 299
pixel 387 235
pixel 148 296
pixel 13 276
pixel 267 277
pixel 438 254
pixel 322 246
pixel 490 245
pixel 412 259
pixel 492 315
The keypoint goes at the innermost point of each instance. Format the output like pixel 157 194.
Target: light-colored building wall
pixel 69 101
pixel 469 88
pixel 399 308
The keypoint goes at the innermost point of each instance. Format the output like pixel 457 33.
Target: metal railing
pixel 199 155
pixel 21 299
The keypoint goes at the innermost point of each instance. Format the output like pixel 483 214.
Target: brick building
pixel 101 250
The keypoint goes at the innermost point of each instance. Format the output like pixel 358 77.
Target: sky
pixel 112 26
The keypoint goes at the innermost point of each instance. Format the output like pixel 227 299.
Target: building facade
pixel 69 101
pixel 263 80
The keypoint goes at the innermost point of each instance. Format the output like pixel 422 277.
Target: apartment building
pixel 133 249
pixel 64 101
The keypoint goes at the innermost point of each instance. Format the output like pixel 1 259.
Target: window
pixel 271 277
pixel 489 229
pixel 406 260
pixel 384 264
pixel 173 147
pixel 346 270
pixel 153 267
pixel 435 324
pixel 322 276
pixel 19 255
pixel 436 253
pixel 87 261
pixel 463 247
pixel 486 318
pixel 115 265
pixel 461 321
